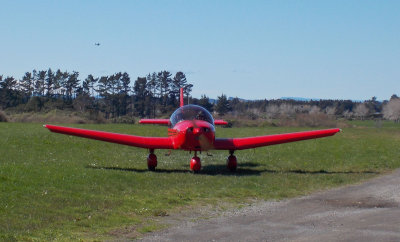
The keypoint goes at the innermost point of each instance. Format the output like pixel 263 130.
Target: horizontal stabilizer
pixel 154 121
pixel 220 122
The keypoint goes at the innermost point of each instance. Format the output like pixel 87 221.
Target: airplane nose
pixel 196 130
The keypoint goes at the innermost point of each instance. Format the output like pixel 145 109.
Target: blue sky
pixel 250 49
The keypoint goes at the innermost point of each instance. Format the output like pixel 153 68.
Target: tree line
pixel 292 109
pixel 157 95
pixel 114 95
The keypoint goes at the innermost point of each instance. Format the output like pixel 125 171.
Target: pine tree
pixel 179 81
pixel 124 89
pixel 103 87
pixel 39 82
pixel 152 84
pixel 205 103
pixel 49 83
pixel 164 85
pixel 72 84
pixel 58 82
pixel 86 86
pixel 222 106
pixel 27 84
pixel 8 93
pixel 9 83
pixel 90 83
pixel 140 91
pixel 125 82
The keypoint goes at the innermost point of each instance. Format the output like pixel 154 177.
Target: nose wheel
pixel 195 163
pixel 231 162
pixel 152 161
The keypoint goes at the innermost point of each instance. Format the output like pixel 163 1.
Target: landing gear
pixel 231 162
pixel 195 163
pixel 152 161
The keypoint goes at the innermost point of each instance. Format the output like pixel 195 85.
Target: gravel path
pixel 366 212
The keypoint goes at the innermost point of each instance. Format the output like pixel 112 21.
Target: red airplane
pixel 192 128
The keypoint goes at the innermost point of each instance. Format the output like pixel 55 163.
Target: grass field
pixel 55 186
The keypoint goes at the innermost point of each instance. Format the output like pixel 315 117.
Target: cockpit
pixel 191 112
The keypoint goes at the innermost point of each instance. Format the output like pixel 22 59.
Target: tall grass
pixel 3 117
pixel 55 186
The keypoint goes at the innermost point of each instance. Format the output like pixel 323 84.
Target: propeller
pixel 205 143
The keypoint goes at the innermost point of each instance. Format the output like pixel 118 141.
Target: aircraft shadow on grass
pixel 244 169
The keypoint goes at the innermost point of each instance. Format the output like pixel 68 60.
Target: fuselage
pixel 192 128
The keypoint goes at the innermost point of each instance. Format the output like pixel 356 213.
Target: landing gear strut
pixel 152 161
pixel 195 163
pixel 231 162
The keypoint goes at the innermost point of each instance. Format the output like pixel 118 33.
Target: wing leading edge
pixel 124 139
pixel 259 141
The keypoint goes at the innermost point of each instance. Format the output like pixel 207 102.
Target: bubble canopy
pixel 191 112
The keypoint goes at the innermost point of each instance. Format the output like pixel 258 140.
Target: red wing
pixel 220 122
pixel 124 139
pixel 254 142
pixel 154 121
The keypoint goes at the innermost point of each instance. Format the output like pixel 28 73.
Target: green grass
pixel 55 186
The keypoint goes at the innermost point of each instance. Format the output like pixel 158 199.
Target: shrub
pixel 35 104
pixel 309 120
pixel 96 117
pixel 3 117
pixel 124 120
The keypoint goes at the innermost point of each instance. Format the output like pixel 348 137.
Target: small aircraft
pixel 97 44
pixel 191 128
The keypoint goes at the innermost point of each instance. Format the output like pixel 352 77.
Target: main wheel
pixel 195 164
pixel 231 163
pixel 152 162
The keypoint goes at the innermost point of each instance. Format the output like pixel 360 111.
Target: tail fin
pixel 181 97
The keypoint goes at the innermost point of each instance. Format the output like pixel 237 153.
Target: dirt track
pixel 365 212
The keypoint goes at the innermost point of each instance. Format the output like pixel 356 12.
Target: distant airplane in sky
pixel 98 44
pixel 192 128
